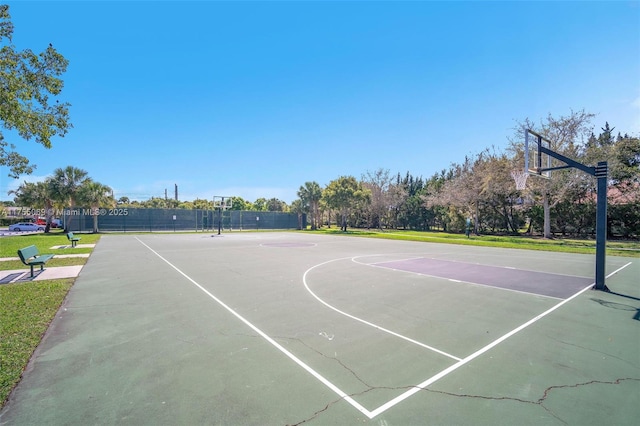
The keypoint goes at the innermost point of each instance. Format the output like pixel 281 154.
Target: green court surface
pixel 291 328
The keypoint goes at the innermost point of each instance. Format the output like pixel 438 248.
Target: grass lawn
pixel 44 242
pixel 614 248
pixel 26 310
pixel 9 248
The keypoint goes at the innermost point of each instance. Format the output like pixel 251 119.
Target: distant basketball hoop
pixel 520 176
pixel 221 204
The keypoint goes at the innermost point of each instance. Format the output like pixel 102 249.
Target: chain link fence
pixel 171 220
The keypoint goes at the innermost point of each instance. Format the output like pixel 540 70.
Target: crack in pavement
pixel 343 365
pixel 545 395
pixel 592 350
pixel 539 402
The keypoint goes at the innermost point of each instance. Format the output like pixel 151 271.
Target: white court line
pixel 481 351
pixel 489 286
pixel 386 261
pixel 378 264
pixel 377 327
pixel 338 391
pixel 291 356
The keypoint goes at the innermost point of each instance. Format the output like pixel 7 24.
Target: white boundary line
pixel 381 265
pixel 275 245
pixel 334 388
pixel 386 261
pixel 482 264
pixel 377 327
pixel 481 351
pixel 291 356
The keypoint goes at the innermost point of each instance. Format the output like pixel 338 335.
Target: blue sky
pixel 253 99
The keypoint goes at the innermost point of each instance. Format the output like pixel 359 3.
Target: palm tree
pixel 310 195
pixel 97 195
pixel 65 185
pixel 298 208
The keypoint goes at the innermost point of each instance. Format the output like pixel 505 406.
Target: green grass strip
pixel 26 310
pixel 614 248
pixel 44 242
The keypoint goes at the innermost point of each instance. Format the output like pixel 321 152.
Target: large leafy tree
pixel 385 197
pixel 623 157
pixel 155 203
pixel 38 196
pixel 276 205
pixel 566 134
pixel 621 153
pixel 499 196
pixel 480 191
pixel 412 213
pixel 260 205
pixel 460 195
pixel 239 203
pixel 345 194
pixel 29 84
pixel 626 160
pixel 201 204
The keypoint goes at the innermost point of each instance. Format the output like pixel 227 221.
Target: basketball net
pixel 521 179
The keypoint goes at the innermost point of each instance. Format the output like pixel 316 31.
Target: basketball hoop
pixel 520 177
pixel 222 203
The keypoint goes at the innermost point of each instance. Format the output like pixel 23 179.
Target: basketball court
pixel 294 328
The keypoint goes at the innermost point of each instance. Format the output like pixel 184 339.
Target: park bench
pixel 30 257
pixel 74 240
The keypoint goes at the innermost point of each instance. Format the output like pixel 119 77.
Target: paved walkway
pixel 59 256
pixel 49 273
pixel 21 275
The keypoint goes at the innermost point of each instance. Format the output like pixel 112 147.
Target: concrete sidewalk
pixel 59 256
pixel 23 275
pixel 49 273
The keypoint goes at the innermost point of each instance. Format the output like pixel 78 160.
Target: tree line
pixel 480 193
pixel 476 195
